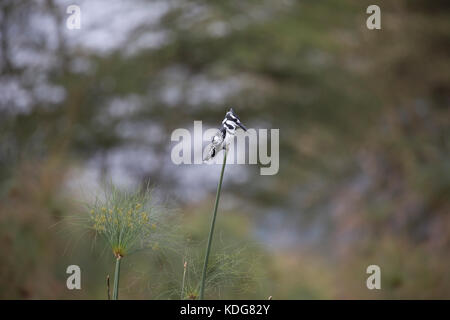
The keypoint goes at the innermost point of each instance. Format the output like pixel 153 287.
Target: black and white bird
pixel 224 135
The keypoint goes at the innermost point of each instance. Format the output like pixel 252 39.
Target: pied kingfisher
pixel 224 135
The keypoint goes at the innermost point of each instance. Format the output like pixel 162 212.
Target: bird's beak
pixel 242 126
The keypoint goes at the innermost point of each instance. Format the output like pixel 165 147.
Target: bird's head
pixel 231 121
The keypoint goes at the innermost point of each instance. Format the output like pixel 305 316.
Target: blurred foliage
pixel 364 152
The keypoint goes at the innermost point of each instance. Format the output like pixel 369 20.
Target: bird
pixel 224 135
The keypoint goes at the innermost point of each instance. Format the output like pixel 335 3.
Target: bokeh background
pixel 364 144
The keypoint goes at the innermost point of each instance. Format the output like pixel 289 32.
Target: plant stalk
pixel 116 279
pixel 211 231
pixel 183 282
pixel 107 288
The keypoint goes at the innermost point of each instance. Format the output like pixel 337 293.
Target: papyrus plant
pixel 127 221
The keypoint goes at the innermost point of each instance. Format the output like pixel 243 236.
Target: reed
pixel 211 230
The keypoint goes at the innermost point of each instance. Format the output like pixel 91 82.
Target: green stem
pixel 107 288
pixel 183 282
pixel 211 231
pixel 116 279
